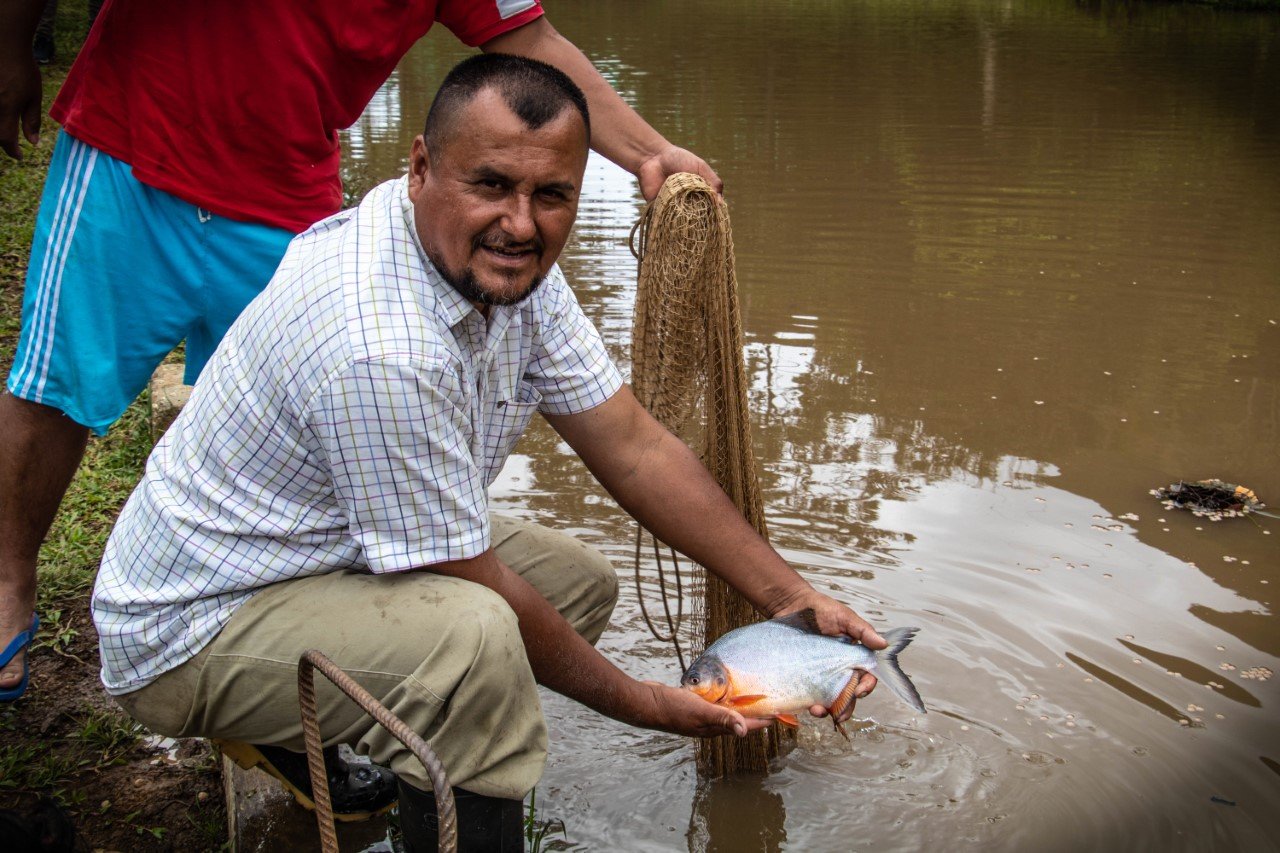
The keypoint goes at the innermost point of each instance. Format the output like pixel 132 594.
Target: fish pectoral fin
pixel 749 699
pixel 839 728
pixel 788 720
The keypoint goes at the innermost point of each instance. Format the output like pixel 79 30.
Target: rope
pixel 686 350
pixel 445 809
pixel 672 635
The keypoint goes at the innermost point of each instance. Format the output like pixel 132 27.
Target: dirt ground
pixel 66 740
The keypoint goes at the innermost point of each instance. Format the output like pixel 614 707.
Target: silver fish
pixel 780 667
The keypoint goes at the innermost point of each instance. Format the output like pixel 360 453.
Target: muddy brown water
pixel 1005 266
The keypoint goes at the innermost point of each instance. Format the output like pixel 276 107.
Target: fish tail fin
pixel 888 670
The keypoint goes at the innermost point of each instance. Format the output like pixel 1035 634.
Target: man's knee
pixel 601 579
pixel 597 593
pixel 485 625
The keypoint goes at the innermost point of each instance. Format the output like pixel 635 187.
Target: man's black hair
pixel 534 91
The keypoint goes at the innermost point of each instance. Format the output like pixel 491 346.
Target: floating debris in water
pixel 1130 516
pixel 1211 499
pixel 1257 673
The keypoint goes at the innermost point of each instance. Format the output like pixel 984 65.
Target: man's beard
pixel 468 286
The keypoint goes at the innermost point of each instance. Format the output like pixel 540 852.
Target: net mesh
pixel 688 371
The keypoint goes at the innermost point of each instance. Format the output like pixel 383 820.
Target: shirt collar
pixel 452 305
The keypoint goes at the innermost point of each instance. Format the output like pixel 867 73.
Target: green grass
pixel 111 468
pixel 112 464
pixel 98 739
pixel 538 828
pixel 107 734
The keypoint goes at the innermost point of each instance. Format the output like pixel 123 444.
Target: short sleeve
pixel 399 448
pixel 474 22
pixel 570 367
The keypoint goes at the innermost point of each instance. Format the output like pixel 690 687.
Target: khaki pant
pixel 443 654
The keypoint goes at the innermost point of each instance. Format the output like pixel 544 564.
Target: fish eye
pixel 693 679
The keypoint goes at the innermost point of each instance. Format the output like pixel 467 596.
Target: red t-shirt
pixel 235 105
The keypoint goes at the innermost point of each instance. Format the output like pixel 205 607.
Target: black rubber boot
pixel 357 791
pixel 485 824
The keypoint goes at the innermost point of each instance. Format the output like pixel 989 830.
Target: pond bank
pixel 65 739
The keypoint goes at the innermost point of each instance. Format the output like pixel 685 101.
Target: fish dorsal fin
pixel 802 620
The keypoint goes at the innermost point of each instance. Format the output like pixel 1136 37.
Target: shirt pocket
pixel 510 419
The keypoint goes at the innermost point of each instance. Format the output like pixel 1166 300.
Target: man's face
pixel 497 205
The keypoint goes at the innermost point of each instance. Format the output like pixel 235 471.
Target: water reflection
pixel 1005 265
pixel 717 824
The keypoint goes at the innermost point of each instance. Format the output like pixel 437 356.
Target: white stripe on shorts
pixel 75 185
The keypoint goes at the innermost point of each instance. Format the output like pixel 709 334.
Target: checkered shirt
pixel 353 418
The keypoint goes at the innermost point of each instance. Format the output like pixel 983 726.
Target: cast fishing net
pixel 688 371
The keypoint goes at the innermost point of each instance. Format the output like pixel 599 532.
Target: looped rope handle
pixel 446 811
pixel 673 625
pixel 640 229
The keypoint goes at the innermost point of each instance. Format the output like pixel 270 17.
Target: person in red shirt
pixel 198 139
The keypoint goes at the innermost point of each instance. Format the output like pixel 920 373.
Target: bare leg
pixel 39 453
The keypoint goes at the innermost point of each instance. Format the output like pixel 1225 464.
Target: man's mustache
pixel 503 242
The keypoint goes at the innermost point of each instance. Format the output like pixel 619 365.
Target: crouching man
pixel 326 485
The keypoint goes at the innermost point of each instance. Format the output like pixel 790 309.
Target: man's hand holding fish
pixel 837 620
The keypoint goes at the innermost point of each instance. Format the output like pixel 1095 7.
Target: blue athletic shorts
pixel 120 274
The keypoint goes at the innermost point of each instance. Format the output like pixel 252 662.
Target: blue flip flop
pixel 16 646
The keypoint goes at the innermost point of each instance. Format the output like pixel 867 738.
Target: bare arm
pixel 663 484
pixel 568 664
pixel 20 92
pixel 618 132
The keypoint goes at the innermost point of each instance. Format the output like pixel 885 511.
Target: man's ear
pixel 419 165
